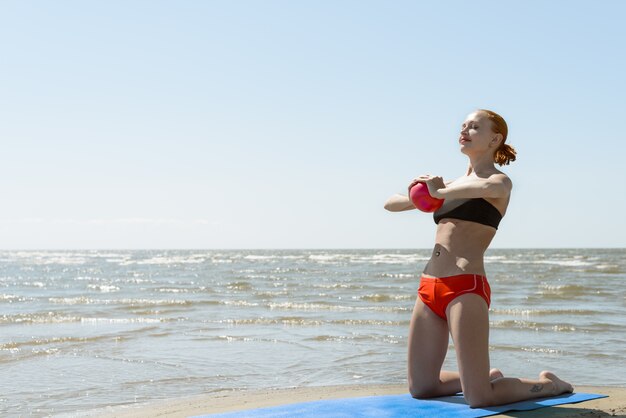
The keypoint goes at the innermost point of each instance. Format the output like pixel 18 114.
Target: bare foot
pixel 495 374
pixel 560 386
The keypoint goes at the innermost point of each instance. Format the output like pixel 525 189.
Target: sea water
pixel 80 330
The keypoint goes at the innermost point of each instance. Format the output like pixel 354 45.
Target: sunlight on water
pixel 104 328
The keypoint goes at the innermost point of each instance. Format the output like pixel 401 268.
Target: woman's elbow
pixel 398 203
pixel 390 206
pixel 397 207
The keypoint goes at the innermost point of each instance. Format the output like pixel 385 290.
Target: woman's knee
pixel 421 392
pixel 478 398
pixel 419 388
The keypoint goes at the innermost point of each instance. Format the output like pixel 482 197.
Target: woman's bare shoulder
pixel 500 177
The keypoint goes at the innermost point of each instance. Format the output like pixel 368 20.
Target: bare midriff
pixel 459 248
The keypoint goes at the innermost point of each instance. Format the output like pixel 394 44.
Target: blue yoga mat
pixel 396 406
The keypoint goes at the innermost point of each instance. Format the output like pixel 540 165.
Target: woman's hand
pixel 434 183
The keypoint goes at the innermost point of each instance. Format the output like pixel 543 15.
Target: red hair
pixel 505 153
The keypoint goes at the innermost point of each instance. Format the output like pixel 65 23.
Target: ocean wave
pixel 291 321
pixel 239 286
pixel 7 298
pixel 567 291
pixel 274 257
pixel 534 326
pixel 390 259
pixel 369 322
pixel 326 258
pixel 514 323
pixel 87 279
pixel 387 339
pixel 489 258
pixel 103 288
pixel 37 284
pixel 167 260
pixel 386 261
pixel 83 300
pixel 564 328
pixel 398 275
pixel 37 318
pixel 543 312
pixel 238 303
pixel 17 355
pixel 562 263
pixel 50 257
pixel 369 259
pixel 331 307
pixel 384 298
pixel 586 327
pixel 237 338
pixel 172 290
pixel 572 289
pixel 222 261
pixel 261 257
pixel 54 340
pixel 125 320
pixel 61 318
pixel 270 295
pixel 544 350
pixel 334 338
pixel 337 286
pixel 609 268
pixel 134 280
pixel 302 321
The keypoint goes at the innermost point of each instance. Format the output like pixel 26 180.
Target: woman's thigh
pixel 468 319
pixel 428 345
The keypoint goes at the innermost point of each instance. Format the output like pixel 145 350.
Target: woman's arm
pixel 495 186
pixel 399 203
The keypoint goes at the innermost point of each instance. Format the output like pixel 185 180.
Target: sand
pixel 613 406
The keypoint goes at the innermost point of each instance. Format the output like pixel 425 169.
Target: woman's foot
pixel 560 386
pixel 495 374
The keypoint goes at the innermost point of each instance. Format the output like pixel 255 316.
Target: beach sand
pixel 613 406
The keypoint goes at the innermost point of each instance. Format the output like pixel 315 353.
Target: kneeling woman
pixel 454 294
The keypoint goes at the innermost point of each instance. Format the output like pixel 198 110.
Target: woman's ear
pixel 496 141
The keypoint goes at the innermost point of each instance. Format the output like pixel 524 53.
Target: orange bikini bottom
pixel 437 293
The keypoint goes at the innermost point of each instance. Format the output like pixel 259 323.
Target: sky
pixel 287 124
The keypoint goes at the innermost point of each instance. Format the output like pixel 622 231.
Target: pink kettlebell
pixel 422 199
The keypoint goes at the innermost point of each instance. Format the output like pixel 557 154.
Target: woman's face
pixel 476 135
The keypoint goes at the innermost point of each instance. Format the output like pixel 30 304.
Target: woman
pixel 454 294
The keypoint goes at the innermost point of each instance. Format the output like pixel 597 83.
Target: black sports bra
pixel 475 210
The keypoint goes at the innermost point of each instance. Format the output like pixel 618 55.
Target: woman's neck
pixel 480 164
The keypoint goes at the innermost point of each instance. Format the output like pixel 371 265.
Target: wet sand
pixel 613 406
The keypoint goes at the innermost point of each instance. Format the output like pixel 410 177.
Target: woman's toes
pixel 560 386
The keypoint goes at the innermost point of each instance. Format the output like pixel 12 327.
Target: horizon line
pixel 297 249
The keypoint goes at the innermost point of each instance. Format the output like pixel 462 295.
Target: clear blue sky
pixel 287 124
